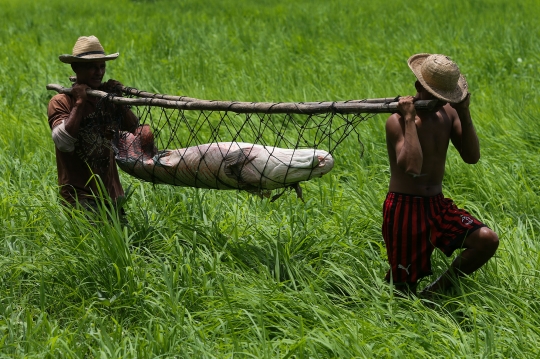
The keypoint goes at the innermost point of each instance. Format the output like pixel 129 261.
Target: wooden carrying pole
pixel 135 92
pixel 308 108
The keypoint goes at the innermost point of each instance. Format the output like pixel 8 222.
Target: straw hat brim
pixel 456 95
pixel 69 59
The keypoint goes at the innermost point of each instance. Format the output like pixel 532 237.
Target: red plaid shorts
pixel 414 226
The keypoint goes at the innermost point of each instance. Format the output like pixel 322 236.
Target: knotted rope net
pixel 283 125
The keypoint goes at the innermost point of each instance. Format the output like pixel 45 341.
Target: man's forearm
pixel 410 158
pixel 130 121
pixel 470 145
pixel 73 122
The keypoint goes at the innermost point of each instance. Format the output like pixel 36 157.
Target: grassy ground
pixel 217 274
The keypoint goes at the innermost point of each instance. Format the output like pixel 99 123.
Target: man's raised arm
pixel 464 135
pixel 401 131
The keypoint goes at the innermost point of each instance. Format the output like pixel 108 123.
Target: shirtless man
pixel 417 217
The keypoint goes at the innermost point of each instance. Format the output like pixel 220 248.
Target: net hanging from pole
pixel 257 147
pixel 174 128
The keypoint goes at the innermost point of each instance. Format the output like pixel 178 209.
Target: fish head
pixel 134 151
pixel 305 164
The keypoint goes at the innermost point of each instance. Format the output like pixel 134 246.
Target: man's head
pixel 440 76
pixel 90 73
pixel 88 61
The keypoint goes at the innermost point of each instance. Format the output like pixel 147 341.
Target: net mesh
pixel 185 128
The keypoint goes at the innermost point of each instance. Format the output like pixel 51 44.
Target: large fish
pixel 222 165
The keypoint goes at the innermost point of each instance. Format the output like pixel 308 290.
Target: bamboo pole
pixel 135 92
pixel 145 94
pixel 344 107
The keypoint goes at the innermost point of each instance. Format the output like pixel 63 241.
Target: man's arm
pixel 464 137
pixel 65 117
pixel 130 122
pixel 403 137
pixel 72 123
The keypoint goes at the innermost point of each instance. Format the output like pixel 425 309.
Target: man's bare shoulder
pixel 394 128
pixel 393 121
pixel 394 118
pixel 450 111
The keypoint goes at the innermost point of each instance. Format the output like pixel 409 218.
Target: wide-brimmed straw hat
pixel 87 49
pixel 440 76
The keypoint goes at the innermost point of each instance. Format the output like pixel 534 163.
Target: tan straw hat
pixel 87 49
pixel 440 76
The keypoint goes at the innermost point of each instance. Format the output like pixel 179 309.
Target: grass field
pixel 223 274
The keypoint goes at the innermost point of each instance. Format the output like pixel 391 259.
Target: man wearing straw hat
pixel 83 135
pixel 417 218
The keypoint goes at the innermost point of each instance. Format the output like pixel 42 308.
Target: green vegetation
pixel 222 274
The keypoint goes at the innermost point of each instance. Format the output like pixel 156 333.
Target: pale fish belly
pixel 221 165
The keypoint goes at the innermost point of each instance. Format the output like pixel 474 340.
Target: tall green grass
pixel 218 274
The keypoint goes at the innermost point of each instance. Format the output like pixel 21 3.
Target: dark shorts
pixel 414 226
